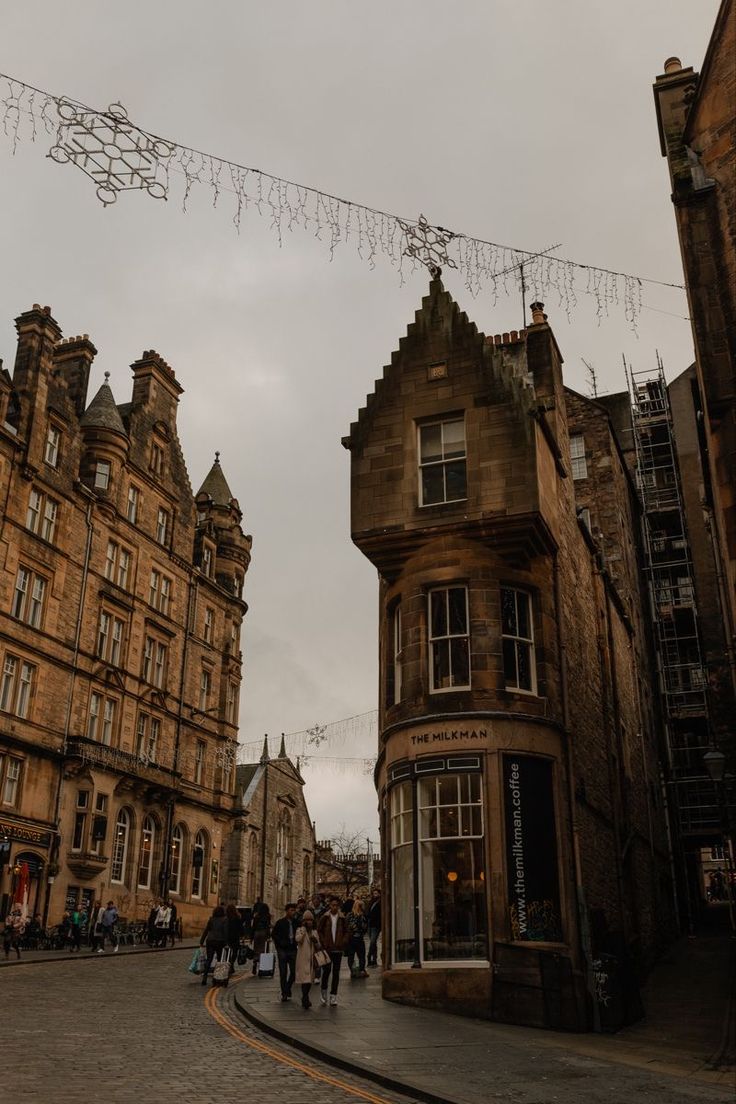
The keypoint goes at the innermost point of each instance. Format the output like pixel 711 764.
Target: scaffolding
pixel 671 586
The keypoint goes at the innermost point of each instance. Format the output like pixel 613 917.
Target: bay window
pixel 449 640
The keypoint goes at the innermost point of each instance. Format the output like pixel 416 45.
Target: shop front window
pixel 402 872
pixel 453 892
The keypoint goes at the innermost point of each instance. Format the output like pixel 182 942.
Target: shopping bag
pixel 221 972
pixel 193 966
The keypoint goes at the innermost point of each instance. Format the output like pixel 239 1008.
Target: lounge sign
pixel 22 832
pixel 531 849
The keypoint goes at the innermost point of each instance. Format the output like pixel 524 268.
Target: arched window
pixel 283 856
pixel 148 840
pixel 177 858
pixel 120 847
pixel 199 865
pixel 250 885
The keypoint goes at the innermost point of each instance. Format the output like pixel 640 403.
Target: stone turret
pixel 105 442
pixel 222 549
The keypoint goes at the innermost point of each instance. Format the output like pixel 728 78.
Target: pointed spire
pixel 215 485
pixel 102 413
pixel 282 749
pixel 265 757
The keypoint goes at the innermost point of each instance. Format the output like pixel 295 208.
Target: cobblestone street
pixel 127 1029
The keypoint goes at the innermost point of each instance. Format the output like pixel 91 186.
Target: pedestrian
pixel 13 932
pixel 357 927
pixel 214 938
pixel 63 931
pixel 234 933
pixel 152 934
pixel 373 916
pixel 75 929
pixel 172 922
pixel 333 936
pixel 95 928
pixel 161 924
pixel 33 933
pixel 108 922
pixel 307 943
pixel 261 931
pixel 318 906
pixel 301 904
pixel 284 932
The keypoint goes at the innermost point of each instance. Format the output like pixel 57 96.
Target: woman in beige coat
pixel 306 944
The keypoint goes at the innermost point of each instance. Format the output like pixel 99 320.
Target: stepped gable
pixel 102 412
pixel 439 311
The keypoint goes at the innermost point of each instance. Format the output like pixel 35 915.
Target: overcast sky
pixel 526 124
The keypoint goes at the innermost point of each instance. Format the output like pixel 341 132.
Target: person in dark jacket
pixel 333 937
pixel 284 938
pixel 373 916
pixel 234 932
pixel 261 931
pixel 172 923
pixel 214 938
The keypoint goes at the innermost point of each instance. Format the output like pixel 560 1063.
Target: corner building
pixel 120 613
pixel 523 833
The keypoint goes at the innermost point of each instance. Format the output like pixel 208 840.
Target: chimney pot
pixel 538 314
pixel 672 65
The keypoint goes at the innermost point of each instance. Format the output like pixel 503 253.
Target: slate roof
pixel 215 485
pixel 102 412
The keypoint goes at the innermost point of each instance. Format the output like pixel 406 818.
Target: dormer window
pixel 157 459
pixel 53 441
pixel 102 475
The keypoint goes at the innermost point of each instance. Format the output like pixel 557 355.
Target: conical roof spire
pixel 265 757
pixel 215 485
pixel 102 413
pixel 282 749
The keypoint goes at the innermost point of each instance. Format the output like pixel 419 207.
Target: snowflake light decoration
pixel 111 151
pixel 317 734
pixel 428 244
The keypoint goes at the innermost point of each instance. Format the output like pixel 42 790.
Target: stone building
pixel 346 873
pixel 696 116
pixel 270 853
pixel 523 831
pixel 120 613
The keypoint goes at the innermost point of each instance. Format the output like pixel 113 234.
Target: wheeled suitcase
pixel 267 963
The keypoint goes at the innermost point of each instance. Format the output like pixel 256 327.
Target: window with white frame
pixel 99 824
pixel 120 848
pixel 102 475
pixel 145 861
pixel 134 497
pixel 16 686
pixel 199 754
pixel 209 623
pixel 159 594
pixel 205 685
pixel 11 770
pixel 101 719
pixel 442 462
pixel 117 564
pixel 449 639
pixel 517 628
pixel 162 525
pixel 577 456
pixel 110 636
pixel 453 894
pixel 207 560
pixel 148 734
pixel 402 871
pixel 155 656
pixel 41 515
pixel 80 820
pixel 53 442
pixel 231 702
pixel 28 597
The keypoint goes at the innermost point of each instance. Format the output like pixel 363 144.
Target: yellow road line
pixel 210 1001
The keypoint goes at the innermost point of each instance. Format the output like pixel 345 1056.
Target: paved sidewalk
pixel 668 1058
pixel 29 957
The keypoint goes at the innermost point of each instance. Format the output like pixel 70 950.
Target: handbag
pixel 322 958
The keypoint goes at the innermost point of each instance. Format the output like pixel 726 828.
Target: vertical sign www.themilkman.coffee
pixel 531 849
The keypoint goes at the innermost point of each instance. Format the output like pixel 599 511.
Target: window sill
pixel 445 964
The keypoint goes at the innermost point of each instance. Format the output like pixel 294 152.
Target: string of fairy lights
pixel 117 155
pixel 305 744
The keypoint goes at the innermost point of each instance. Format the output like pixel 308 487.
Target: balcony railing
pixel 112 758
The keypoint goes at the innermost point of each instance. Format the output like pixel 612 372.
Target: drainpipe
pixel 263 831
pixel 582 908
pixel 56 844
pixel 171 808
